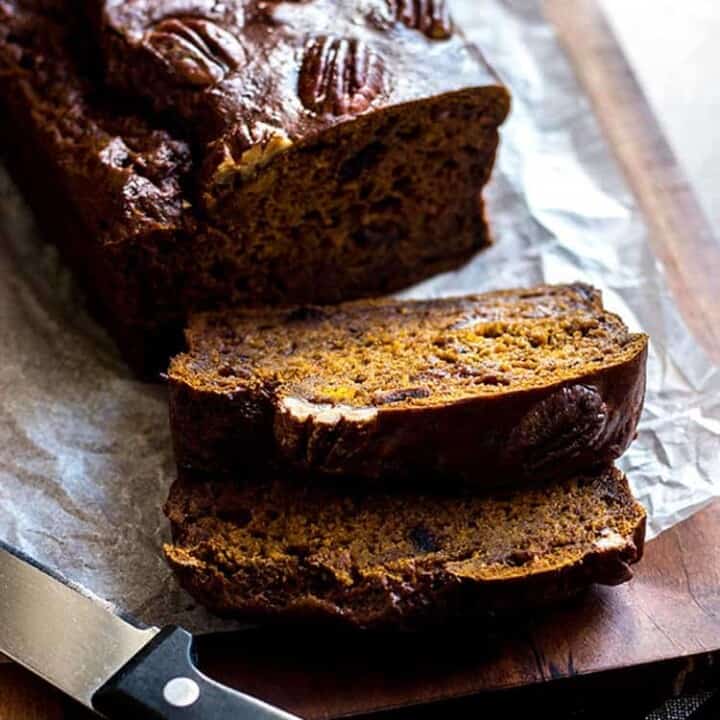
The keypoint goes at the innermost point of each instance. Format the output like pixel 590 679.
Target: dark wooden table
pixel 671 611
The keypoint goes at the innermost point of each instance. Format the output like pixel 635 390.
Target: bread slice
pixel 286 550
pixel 503 387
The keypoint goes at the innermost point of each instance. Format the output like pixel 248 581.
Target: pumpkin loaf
pixel 191 155
pixel 508 386
pixel 279 549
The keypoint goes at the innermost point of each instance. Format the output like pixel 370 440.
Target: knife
pixel 81 645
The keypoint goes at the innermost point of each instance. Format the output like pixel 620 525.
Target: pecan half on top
pixel 340 76
pixel 195 50
pixel 431 17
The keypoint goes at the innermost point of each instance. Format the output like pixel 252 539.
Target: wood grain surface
pixel 671 609
pixel 680 233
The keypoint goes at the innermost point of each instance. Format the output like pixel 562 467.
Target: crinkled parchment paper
pixel 85 460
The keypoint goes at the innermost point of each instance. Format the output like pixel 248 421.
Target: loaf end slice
pixel 508 386
pixel 282 550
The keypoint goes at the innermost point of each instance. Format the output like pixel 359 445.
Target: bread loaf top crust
pixel 249 79
pixel 231 87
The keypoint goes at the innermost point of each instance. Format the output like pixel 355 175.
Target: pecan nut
pixel 340 76
pixel 558 429
pixel 431 17
pixel 197 51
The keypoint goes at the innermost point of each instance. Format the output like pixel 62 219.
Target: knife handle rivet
pixel 181 691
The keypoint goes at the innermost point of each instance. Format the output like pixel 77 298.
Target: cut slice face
pixel 274 548
pixel 515 385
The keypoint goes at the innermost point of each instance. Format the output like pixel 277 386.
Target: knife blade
pixel 83 646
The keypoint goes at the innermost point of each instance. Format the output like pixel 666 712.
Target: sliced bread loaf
pixel 245 152
pixel 507 386
pixel 281 549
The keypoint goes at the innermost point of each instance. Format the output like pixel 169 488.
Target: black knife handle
pixel 162 682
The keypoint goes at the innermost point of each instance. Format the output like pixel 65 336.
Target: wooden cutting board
pixel 672 608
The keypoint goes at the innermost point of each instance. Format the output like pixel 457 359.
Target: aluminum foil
pixel 85 459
